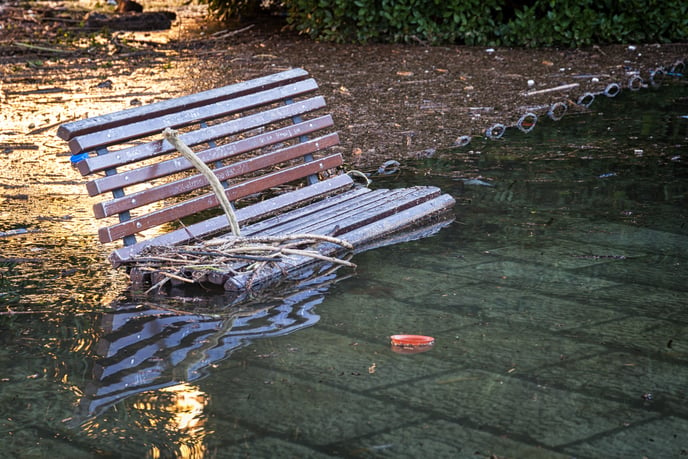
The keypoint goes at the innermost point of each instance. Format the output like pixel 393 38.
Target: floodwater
pixel 557 300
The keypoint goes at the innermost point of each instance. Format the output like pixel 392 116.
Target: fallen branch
pixel 273 239
pixel 556 88
pixel 173 137
pixel 41 48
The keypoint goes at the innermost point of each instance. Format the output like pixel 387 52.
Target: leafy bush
pixel 479 22
pixel 587 22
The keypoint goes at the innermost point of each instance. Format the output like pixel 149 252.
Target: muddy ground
pixel 389 101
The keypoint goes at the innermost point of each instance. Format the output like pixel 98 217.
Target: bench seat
pixel 270 145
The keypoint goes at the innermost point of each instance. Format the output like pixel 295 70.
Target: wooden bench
pixel 269 144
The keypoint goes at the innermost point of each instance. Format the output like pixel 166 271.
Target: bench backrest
pixel 257 135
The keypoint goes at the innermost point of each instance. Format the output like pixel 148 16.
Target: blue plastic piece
pixel 80 157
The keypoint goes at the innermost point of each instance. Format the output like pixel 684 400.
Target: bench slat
pixel 353 214
pixel 219 223
pixel 351 199
pixel 158 147
pixel 165 168
pixel 119 134
pixel 70 130
pixel 205 202
pixel 404 216
pixel 185 185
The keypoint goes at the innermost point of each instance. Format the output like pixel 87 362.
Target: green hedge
pixel 481 22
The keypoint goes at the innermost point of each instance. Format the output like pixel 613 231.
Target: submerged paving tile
pixel 629 237
pixel 383 309
pixel 565 254
pixel 654 383
pixel 270 402
pixel 522 306
pixel 637 333
pixel 265 447
pixel 510 406
pixel 652 271
pixel 514 347
pixel 443 439
pixel 648 301
pixel 663 437
pixel 535 278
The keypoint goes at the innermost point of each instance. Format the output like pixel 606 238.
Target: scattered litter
pixel 107 84
pixel 411 344
pixel 556 88
pixel 586 99
pixel 475 182
pixel 389 167
pixel 495 132
pixel 527 122
pixel 462 140
pixel 14 232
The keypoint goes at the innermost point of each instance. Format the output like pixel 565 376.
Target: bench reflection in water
pixel 148 346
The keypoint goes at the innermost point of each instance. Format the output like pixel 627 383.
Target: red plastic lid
pixel 412 340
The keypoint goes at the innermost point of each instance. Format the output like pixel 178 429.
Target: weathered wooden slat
pixel 349 215
pixel 293 222
pixel 119 134
pixel 185 185
pixel 69 130
pixel 219 223
pixel 158 147
pixel 351 197
pixel 211 155
pixel 359 237
pixel 390 203
pixel 208 201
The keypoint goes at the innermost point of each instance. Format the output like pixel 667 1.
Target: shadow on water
pixel 557 300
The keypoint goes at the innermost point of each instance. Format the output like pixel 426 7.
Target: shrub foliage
pixel 480 22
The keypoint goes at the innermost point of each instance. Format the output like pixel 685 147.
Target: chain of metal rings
pixel 557 110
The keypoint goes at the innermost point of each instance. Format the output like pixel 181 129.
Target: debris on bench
pixel 257 197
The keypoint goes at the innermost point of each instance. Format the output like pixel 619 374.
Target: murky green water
pixel 557 300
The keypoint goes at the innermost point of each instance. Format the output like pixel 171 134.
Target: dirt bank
pixel 390 101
